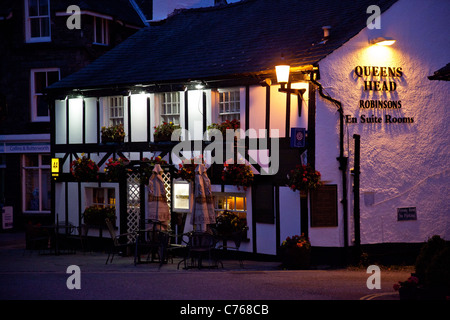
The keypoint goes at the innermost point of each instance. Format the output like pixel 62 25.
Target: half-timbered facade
pixel 205 66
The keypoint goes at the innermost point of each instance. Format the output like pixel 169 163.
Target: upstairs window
pixel 229 105
pixel 101 32
pixel 115 106
pixel 40 79
pixel 170 107
pixel 37 20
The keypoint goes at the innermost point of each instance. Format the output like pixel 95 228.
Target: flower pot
pixel 296 258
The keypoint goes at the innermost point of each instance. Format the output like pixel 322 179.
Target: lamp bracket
pixel 298 92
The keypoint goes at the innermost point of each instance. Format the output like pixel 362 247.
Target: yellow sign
pixel 55 167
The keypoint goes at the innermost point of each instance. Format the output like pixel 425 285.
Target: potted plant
pixel 296 252
pixel 409 289
pixel 304 178
pixel 95 215
pixel 164 131
pixel 240 175
pixel 84 169
pixel 225 125
pixel 113 134
pixel 115 169
pixel 229 223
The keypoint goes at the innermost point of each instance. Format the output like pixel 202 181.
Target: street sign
pixel 55 167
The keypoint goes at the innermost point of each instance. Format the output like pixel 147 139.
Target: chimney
pixel 220 3
pixel 326 32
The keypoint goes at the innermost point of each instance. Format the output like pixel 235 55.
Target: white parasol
pixel 203 212
pixel 158 209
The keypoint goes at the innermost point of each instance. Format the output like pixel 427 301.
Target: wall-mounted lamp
pixel 382 41
pixel 283 72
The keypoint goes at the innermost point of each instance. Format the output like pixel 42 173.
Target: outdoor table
pixel 198 244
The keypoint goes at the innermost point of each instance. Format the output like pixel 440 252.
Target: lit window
pixel 170 107
pixel 229 105
pixel 115 110
pixel 234 202
pixel 40 79
pixel 101 34
pixel 36 185
pixel 101 197
pixel 37 15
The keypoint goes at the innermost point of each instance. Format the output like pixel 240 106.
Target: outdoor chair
pixel 151 240
pixel 80 234
pixel 200 244
pixel 118 244
pixel 236 238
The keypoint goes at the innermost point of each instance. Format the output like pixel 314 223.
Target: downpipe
pixel 343 161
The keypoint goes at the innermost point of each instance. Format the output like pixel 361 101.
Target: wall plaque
pixel 324 206
pixel 406 214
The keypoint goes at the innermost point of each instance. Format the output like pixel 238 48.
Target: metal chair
pixel 117 244
pixel 236 238
pixel 200 244
pixel 150 240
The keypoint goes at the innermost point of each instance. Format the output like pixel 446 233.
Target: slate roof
pixel 118 9
pixel 246 37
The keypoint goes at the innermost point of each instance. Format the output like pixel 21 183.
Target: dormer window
pixel 101 32
pixel 37 20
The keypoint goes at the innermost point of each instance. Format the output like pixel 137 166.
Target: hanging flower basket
pixel 240 175
pixel 84 169
pixel 147 167
pixel 113 134
pixel 96 215
pixel 164 131
pixel 186 169
pixel 115 170
pixel 304 178
pixel 296 252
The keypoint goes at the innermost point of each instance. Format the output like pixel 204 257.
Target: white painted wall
pixel 403 165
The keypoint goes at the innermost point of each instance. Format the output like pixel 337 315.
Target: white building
pixel 351 89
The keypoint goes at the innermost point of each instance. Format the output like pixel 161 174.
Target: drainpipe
pixel 343 161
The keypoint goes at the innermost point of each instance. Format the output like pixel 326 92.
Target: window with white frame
pixel 37 20
pixel 229 104
pixel 233 202
pixel 170 107
pixel 36 185
pixel 115 110
pixel 40 79
pixel 101 32
pixel 100 197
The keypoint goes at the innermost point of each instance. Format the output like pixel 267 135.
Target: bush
pixel 438 272
pixel 431 255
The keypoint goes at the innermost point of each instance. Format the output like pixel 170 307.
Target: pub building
pixel 364 104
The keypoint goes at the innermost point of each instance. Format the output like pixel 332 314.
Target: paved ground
pixel 25 275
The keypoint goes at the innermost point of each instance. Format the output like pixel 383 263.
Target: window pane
pixel 46 194
pixel 52 77
pixel 35 28
pixel 39 82
pixel 111 197
pixel 45 27
pixel 46 160
pixel 98 30
pixel 32 189
pixel 41 106
pixel 31 160
pixel 240 203
pixel 230 203
pixel 43 7
pixel 32 8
